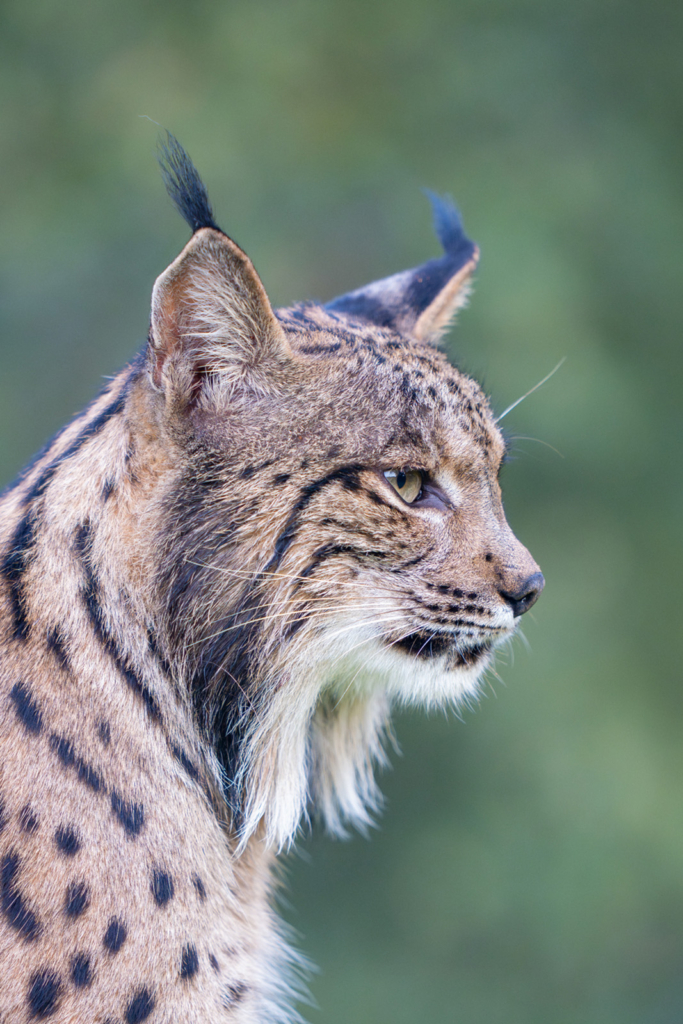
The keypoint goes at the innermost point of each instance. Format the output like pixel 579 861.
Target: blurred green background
pixel 528 868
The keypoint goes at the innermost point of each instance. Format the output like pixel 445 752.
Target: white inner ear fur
pixel 209 309
pixel 435 320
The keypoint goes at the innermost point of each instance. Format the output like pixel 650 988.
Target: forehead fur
pixel 407 390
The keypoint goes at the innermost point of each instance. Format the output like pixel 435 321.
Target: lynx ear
pixel 212 322
pixel 421 302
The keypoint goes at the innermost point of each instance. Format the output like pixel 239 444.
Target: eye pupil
pixel 400 480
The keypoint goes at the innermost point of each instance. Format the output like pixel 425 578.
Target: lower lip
pixel 429 647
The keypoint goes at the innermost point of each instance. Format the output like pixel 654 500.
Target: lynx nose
pixel 522 599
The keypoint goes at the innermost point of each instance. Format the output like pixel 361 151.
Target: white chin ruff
pixel 408 679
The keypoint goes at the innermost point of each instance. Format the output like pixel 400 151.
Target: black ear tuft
pixel 448 225
pixel 184 185
pixel 420 302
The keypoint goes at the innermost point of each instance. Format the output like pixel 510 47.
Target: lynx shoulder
pixel 215 583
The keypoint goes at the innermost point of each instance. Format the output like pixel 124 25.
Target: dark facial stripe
pixel 328 551
pixel 414 561
pixel 347 475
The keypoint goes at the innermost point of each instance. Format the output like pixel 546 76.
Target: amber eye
pixel 406 482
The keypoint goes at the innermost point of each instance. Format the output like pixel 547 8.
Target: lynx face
pixel 389 553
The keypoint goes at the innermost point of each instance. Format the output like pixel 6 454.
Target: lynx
pixel 215 583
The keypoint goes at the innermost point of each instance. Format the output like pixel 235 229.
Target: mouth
pixel 430 645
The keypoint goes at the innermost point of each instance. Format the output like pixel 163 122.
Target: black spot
pixel 200 887
pixel 162 888
pixel 131 816
pixel 488 556
pixel 14 908
pixel 26 708
pixel 43 993
pixel 104 732
pixel 189 963
pixel 443 588
pixel 471 597
pixel 281 478
pixel 28 820
pixel 67 840
pixel 57 644
pixel 470 608
pixel 81 975
pixel 107 490
pixel 214 963
pixel 182 758
pixel 247 472
pixel 457 592
pixel 3 817
pixel 64 750
pixel 77 899
pixel 233 994
pixel 454 608
pixel 140 1006
pixel 115 935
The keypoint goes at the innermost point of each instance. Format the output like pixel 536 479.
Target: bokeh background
pixel 528 868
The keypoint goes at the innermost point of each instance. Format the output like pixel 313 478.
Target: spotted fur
pixel 211 596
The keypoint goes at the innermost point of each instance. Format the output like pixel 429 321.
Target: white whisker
pixel 521 437
pixel 531 390
pixel 332 609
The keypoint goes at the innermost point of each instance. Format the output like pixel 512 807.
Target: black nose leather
pixel 521 600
